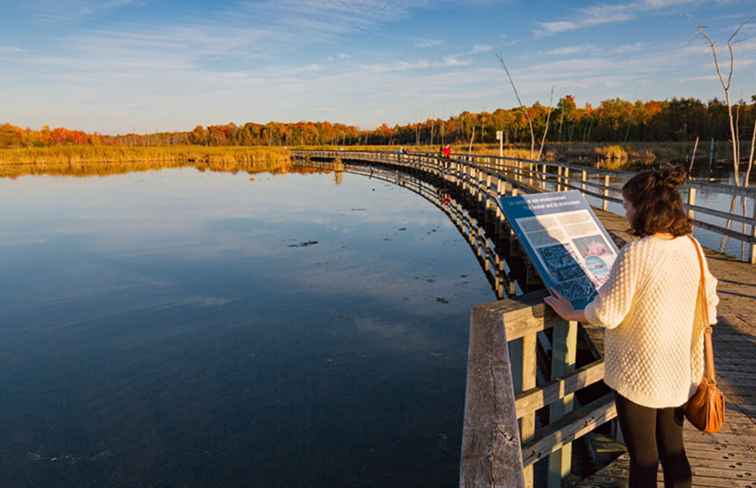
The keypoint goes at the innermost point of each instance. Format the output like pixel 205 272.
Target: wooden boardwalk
pixel 491 416
pixel 727 459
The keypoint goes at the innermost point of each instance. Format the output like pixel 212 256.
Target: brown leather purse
pixel 706 408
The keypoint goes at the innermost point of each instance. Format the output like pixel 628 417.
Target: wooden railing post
pixel 529 364
pixel 753 229
pixel 564 353
pixel 691 202
pixel 605 201
pixel 545 170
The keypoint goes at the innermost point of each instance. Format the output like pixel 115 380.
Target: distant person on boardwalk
pixel 654 358
pixel 446 151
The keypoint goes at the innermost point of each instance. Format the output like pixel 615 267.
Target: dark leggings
pixel 652 434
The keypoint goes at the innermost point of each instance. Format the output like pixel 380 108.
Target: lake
pixel 179 328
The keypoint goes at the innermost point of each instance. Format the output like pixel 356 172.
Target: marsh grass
pixel 101 160
pixel 106 160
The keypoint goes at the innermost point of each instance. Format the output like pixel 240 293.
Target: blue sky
pixel 148 65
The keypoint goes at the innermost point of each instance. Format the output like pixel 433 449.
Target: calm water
pixel 183 329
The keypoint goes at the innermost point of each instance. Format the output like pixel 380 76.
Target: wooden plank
pixel 529 371
pixel 725 231
pixel 718 213
pixel 532 400
pixel 570 427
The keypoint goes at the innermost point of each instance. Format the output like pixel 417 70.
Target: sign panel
pixel 565 241
pixel 499 135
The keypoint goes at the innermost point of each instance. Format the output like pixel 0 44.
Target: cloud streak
pixel 601 14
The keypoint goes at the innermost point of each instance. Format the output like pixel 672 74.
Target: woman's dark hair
pixel 657 203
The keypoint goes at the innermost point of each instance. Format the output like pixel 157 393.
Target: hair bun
pixel 671 176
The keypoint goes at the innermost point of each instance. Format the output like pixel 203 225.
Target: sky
pixel 116 66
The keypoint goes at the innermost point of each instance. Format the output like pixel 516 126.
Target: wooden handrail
pixel 720 187
pixel 570 427
pixel 536 398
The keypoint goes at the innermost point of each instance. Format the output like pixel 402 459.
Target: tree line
pixel 614 120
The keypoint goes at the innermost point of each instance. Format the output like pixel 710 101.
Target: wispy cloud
pixel 600 14
pixel 327 17
pixel 428 43
pixel 338 57
pixel 592 49
pixel 56 11
pixel 421 64
pixel 570 50
pixel 481 48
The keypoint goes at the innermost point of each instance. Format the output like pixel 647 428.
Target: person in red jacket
pixel 447 151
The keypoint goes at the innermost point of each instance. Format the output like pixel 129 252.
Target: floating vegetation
pixel 304 244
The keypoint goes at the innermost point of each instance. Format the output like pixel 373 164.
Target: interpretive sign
pixel 564 240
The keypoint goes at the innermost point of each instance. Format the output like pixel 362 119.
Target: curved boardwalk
pixel 727 459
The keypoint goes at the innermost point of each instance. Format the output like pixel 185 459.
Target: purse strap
pixel 709 372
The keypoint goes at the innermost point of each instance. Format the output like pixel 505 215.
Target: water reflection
pixel 169 328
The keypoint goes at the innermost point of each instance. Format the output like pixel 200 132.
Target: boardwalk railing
pixel 503 437
pixel 532 176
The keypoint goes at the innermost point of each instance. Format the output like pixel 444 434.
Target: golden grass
pixel 103 160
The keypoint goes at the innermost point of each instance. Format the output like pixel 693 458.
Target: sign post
pixel 500 138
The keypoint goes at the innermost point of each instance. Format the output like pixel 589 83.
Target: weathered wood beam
pixel 568 428
pixel 528 314
pixel 536 398
pixel 491 454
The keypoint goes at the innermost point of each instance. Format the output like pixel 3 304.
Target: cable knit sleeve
pixel 615 297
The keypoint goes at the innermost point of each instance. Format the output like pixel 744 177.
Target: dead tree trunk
pixel 726 84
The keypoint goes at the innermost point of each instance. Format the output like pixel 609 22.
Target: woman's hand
pixel 563 307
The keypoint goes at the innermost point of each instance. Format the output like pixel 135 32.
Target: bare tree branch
pixel 747 177
pixel 522 105
pixel 546 129
pixel 692 159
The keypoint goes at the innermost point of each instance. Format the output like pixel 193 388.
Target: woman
pixel 653 356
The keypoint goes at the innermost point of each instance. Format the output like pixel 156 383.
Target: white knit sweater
pixel 648 307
